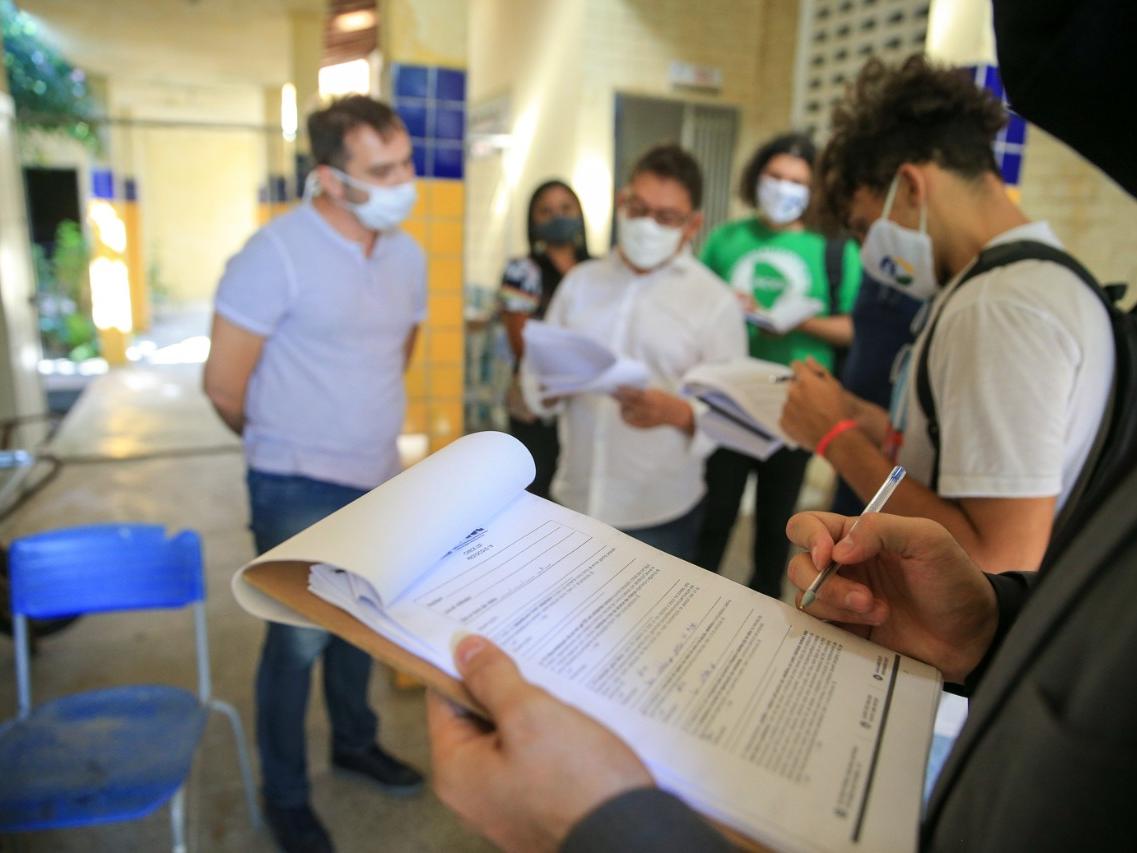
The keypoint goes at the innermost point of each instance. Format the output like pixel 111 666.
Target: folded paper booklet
pixel 565 362
pixel 785 315
pixel 791 732
pixel 744 400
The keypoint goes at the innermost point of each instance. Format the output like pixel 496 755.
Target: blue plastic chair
pixel 118 753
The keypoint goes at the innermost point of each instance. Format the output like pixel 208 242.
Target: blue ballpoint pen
pixel 875 505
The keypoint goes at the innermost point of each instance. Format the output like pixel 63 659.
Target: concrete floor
pixel 145 447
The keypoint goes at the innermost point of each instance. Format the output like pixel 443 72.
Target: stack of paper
pixel 565 363
pixel 785 315
pixel 791 731
pixel 744 400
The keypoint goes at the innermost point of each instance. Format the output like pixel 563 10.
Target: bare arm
pixel 514 322
pixel 836 331
pixel 869 417
pixel 233 353
pixel 1000 534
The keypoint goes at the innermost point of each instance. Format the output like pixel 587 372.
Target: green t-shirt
pixel 752 258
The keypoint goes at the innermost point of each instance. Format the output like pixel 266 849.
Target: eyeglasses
pixel 668 217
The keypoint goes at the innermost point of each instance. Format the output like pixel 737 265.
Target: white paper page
pixel 566 363
pixel 786 314
pixel 749 384
pixel 391 535
pixel 766 717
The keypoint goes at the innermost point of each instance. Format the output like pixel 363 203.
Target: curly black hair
pixel 796 144
pixel 913 112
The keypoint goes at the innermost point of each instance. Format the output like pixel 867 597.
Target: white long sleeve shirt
pixel 671 319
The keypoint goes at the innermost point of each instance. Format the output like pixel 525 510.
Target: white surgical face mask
pixel 386 207
pixel 646 243
pixel 781 202
pixel 900 257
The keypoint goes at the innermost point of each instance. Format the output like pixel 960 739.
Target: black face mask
pixel 561 230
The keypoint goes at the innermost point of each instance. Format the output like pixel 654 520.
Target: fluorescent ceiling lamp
pixel 289 116
pixel 350 22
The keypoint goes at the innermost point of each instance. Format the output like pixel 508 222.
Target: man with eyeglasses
pixel 635 460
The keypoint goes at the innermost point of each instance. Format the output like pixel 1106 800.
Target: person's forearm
pixel 836 331
pixel 870 417
pixel 232 416
pixel 862 465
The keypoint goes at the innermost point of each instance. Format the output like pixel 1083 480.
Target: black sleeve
pixel 1012 589
pixel 647 819
pixel 1063 63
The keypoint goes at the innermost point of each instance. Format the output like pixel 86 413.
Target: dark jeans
pixel 779 481
pixel 676 537
pixel 281 507
pixel 540 439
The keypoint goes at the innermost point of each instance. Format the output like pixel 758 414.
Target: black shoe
pixel 392 775
pixel 298 830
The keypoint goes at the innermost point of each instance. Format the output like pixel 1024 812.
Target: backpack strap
pixel 1001 255
pixel 834 272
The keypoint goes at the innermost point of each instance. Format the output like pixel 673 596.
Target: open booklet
pixel 785 729
pixel 785 315
pixel 565 362
pixel 744 400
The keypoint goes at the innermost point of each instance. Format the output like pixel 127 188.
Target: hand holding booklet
pixel 785 315
pixel 566 362
pixel 744 400
pixel 778 726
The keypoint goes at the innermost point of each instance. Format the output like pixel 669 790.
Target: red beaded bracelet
pixel 834 431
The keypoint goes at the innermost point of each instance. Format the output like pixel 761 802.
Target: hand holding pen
pixel 875 505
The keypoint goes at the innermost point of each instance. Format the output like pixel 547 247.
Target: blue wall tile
pixel 411 81
pixel 420 158
pixel 448 161
pixel 449 123
pixel 1011 168
pixel 450 85
pixel 414 116
pixel 102 184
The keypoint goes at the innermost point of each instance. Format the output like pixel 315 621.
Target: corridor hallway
pixel 142 445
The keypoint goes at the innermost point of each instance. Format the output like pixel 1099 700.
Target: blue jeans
pixel 678 537
pixel 282 506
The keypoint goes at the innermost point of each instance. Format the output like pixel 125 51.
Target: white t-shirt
pixel 671 319
pixel 326 399
pixel 1021 366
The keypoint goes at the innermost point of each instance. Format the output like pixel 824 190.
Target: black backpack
pixel 1114 451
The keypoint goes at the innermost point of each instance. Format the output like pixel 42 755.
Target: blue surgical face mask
pixel 901 257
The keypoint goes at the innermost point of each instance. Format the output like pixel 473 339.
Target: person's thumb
pixel 490 674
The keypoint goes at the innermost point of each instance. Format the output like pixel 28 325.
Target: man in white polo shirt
pixel 635 460
pixel 315 321
pixel 1020 357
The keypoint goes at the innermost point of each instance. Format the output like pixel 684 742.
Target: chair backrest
pixel 104 567
pixel 100 568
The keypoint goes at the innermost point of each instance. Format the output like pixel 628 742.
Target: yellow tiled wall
pixel 435 378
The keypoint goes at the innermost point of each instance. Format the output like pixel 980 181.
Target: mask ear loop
pixel 890 196
pixel 311 186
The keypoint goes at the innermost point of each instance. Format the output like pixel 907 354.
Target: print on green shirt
pixel 752 258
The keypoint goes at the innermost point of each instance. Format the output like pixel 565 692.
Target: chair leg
pixel 242 758
pixel 178 819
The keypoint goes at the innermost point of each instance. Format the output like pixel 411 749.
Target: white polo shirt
pixel 326 399
pixel 671 319
pixel 1021 365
